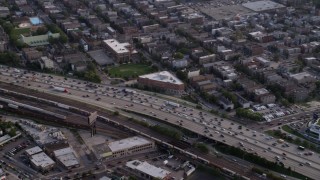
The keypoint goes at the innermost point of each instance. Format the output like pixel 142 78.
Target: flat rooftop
pixel 259 6
pixel 163 76
pixel 224 12
pixel 127 143
pixel 300 76
pixel 117 46
pixel 100 57
pixel 42 160
pixel 33 150
pixel 66 156
pixel 261 91
pixel 147 168
pixel 41 134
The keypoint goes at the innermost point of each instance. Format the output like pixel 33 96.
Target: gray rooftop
pixel 262 5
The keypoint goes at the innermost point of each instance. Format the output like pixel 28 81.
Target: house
pixel 226 103
pixel 264 96
pixel 45 62
pixel 4 40
pixel 31 54
pixel 4 11
pixel 77 61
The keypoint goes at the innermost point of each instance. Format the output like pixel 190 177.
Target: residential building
pixel 242 101
pixel 162 80
pixel 264 96
pixel 226 103
pixel 31 54
pixel 303 77
pixel 120 51
pixel 180 63
pixel 4 40
pixel 4 11
pixel 130 146
pixel 47 63
pixel 146 170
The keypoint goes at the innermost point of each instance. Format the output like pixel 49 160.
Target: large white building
pixel 130 146
pixel 146 170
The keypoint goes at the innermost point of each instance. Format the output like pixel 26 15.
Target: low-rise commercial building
pixel 42 162
pixel 162 80
pixel 66 157
pixel 146 170
pixel 130 146
pixel 33 151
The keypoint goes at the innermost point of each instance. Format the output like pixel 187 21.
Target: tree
pixel 12 132
pixel 202 147
pixel 116 113
pixel 182 75
pixel 178 55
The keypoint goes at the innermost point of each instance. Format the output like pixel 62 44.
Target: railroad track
pixel 217 162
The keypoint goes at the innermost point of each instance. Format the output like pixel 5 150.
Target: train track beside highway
pixel 215 161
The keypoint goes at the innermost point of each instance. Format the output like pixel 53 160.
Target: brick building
pixel 162 80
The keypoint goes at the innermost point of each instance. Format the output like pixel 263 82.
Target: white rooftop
pixel 147 168
pixel 41 160
pixel 301 75
pixel 66 156
pixel 262 5
pixel 33 150
pixel 117 46
pixel 127 143
pixel 163 76
pixel 261 91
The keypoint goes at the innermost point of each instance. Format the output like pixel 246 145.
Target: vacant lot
pixel 129 70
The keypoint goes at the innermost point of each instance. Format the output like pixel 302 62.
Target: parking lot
pixel 13 160
pixel 273 111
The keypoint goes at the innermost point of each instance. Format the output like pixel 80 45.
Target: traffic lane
pixel 121 103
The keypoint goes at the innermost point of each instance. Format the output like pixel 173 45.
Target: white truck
pixel 172 104
pixel 60 89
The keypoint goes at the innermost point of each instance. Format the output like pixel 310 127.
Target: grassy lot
pixel 291 131
pixel 129 70
pixel 19 31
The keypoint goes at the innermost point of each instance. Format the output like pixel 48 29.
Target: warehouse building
pixel 163 80
pixel 264 6
pixel 33 151
pixel 42 162
pixel 66 157
pixel 146 170
pixel 130 146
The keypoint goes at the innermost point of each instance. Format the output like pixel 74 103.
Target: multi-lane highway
pixel 203 123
